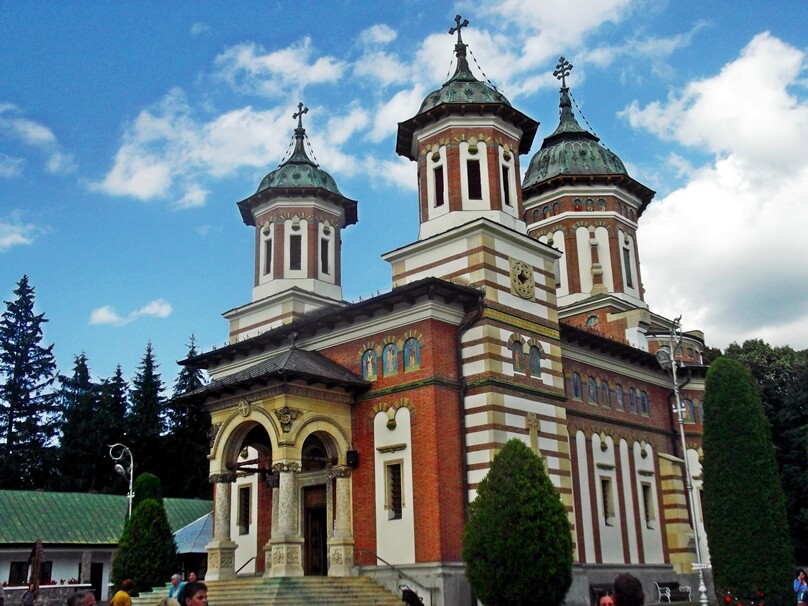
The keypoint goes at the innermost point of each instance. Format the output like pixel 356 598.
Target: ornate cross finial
pixel 460 25
pixel 563 70
pixel 299 114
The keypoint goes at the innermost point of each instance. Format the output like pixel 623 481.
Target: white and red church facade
pixel 348 437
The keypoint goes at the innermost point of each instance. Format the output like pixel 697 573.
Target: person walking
pixel 29 597
pixel 122 598
pixel 801 587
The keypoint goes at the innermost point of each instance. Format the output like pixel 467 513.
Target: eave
pixel 247 205
pixel 625 182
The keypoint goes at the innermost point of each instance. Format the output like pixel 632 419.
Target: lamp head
pixel 120 470
pixel 664 359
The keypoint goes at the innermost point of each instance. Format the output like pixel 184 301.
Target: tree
pixel 743 501
pixel 187 440
pixel 147 486
pixel 28 407
pixel 146 552
pixel 780 373
pixel 78 448
pixel 111 423
pixel 146 421
pixel 517 543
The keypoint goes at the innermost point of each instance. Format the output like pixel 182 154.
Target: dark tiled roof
pixel 78 518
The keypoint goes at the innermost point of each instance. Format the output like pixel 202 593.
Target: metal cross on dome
pixel 458 27
pixel 299 114
pixel 563 70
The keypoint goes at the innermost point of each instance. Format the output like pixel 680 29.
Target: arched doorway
pixel 316 459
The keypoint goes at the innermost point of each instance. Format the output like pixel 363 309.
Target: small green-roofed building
pixel 79 533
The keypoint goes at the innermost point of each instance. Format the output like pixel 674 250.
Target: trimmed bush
pixel 517 544
pixel 744 505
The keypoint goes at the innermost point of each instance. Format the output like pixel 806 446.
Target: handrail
pixel 244 564
pixel 400 573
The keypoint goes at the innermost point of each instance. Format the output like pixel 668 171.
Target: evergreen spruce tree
pixel 187 440
pixel 743 501
pixel 111 418
pixel 79 446
pixel 28 406
pixel 517 544
pixel 146 551
pixel 146 421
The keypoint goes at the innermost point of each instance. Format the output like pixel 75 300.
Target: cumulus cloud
pixel 158 308
pixel 726 248
pixel 31 135
pixel 13 233
pixel 199 28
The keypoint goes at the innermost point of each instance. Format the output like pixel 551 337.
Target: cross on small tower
pixel 299 114
pixel 458 27
pixel 563 70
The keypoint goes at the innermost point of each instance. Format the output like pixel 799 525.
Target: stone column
pixel 221 550
pixel 286 544
pixel 341 542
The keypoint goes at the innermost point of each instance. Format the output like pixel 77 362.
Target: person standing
pixel 176 586
pixel 801 587
pixel 29 597
pixel 628 591
pixel 122 597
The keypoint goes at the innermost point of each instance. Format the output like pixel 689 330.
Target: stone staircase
pixel 288 591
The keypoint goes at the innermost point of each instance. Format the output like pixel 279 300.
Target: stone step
pixel 253 590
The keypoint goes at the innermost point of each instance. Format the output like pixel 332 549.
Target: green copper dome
pixel 571 150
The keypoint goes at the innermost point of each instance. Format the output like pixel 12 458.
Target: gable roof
pixel 195 537
pixel 78 518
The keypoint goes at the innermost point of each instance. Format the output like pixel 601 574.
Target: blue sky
pixel 128 131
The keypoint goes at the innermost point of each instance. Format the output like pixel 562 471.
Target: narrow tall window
pixel 324 255
pixel 439 189
pixel 475 180
pixel 395 500
pixel 648 505
pixel 295 244
pixel 506 184
pixel 267 256
pixel 627 264
pixel 244 510
pixel 607 500
pixel 576 386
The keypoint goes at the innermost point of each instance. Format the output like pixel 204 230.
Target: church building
pixel 349 438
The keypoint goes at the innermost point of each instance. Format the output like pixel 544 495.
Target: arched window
pixel 605 396
pixel 632 400
pixel 556 208
pixel 314 455
pixel 534 361
pixel 618 397
pixel 590 205
pixel 576 386
pixel 689 413
pixel 536 215
pixel 412 354
pixel 546 212
pixel 390 360
pixel 518 357
pixel 593 390
pixel 644 403
pixel 577 204
pixel 369 365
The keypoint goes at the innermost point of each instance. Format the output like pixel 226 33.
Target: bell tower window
pixel 439 186
pixel 324 265
pixel 295 252
pixel 506 185
pixel 627 265
pixel 267 256
pixel 474 180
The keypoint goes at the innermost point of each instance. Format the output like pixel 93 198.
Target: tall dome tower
pixel 579 197
pixel 298 213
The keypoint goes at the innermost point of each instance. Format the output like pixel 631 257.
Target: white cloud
pixel 107 314
pixel 726 249
pixel 32 135
pixel 377 34
pixel 10 167
pixel 199 28
pixel 14 233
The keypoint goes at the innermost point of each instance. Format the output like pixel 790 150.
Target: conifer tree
pixel 517 544
pixel 743 501
pixel 79 446
pixel 187 441
pixel 28 407
pixel 112 407
pixel 146 421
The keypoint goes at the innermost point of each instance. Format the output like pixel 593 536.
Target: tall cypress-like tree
pixel 743 501
pixel 146 421
pixel 28 407
pixel 187 440
pixel 78 448
pixel 517 544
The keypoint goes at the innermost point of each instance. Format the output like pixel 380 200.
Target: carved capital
pixel 287 467
pixel 222 478
pixel 341 471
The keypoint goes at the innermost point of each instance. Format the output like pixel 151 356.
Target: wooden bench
pixel 672 591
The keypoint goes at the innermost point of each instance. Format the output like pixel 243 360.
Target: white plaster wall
pixel 511 184
pixel 584 259
pixel 267 232
pixel 628 498
pixel 625 240
pixel 433 210
pixel 303 232
pixel 395 539
pixel 586 498
pixel 604 256
pixel 65 563
pixel 649 524
pixel 698 484
pixel 246 544
pixel 331 276
pixel 611 536
pixel 482 157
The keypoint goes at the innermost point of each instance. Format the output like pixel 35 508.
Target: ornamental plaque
pixel 522 281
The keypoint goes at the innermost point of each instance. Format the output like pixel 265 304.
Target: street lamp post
pixel 116 453
pixel 667 360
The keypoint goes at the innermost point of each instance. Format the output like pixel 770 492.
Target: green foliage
pixel 187 440
pixel 743 501
pixel 782 374
pixel 146 421
pixel 28 406
pixel 147 486
pixel 146 552
pixel 517 544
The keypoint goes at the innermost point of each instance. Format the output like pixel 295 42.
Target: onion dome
pixel 298 176
pixel 465 95
pixel 572 152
